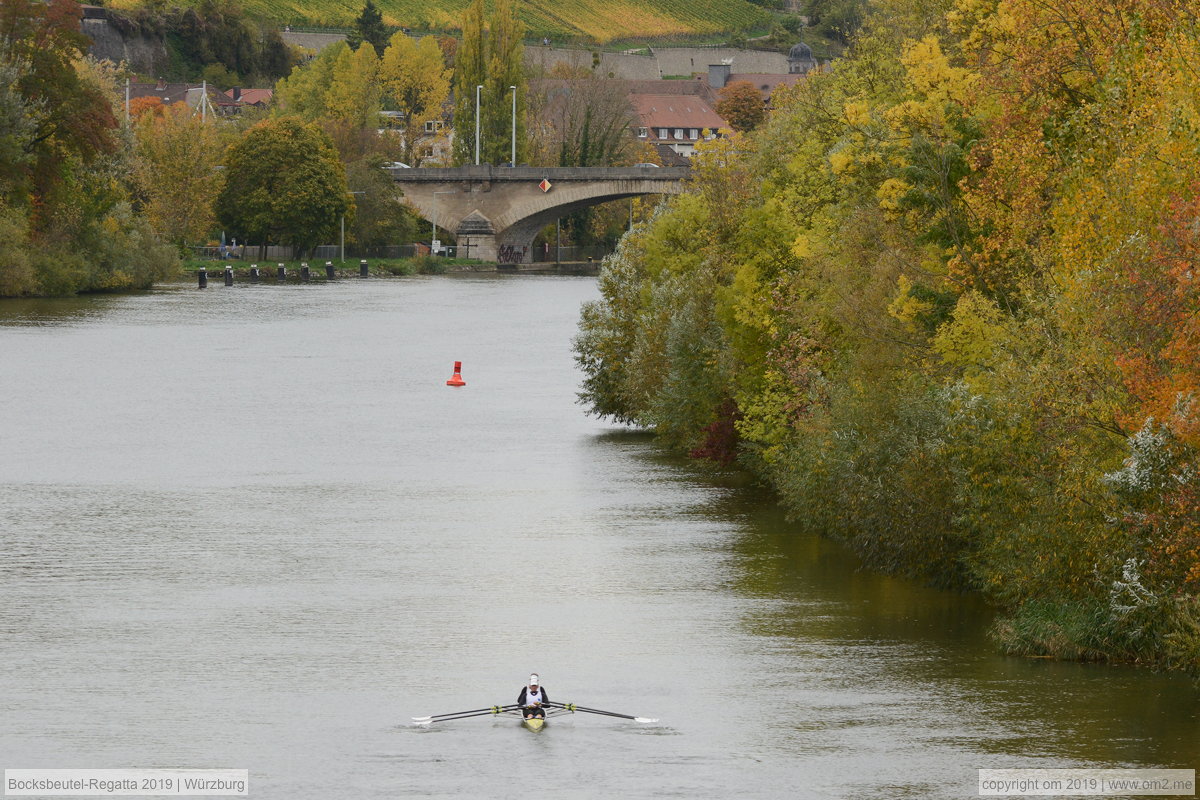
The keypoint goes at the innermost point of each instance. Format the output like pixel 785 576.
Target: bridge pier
pixel 477 237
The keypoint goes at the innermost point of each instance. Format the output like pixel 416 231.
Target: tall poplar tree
pixel 491 57
pixel 506 69
pixel 470 66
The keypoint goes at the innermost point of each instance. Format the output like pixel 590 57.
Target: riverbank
pixel 207 272
pixel 975 368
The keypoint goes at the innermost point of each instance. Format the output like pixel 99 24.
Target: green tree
pixel 304 92
pixel 16 123
pixel 470 69
pixel 494 59
pixel 284 184
pixel 506 75
pixel 369 28
pixel 381 216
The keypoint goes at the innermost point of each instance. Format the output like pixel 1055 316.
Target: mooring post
pixel 228 275
pixel 329 270
pixel 304 272
pixel 254 273
pixel 281 273
pixel 363 270
pixel 202 276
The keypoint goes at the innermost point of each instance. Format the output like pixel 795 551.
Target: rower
pixel 532 698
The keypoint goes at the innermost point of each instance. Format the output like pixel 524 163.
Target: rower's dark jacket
pixel 525 691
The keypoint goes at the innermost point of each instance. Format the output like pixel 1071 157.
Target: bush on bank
pixel 944 300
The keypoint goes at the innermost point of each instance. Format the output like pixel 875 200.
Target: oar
pixel 573 707
pixel 478 712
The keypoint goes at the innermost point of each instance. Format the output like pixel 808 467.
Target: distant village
pixel 671 113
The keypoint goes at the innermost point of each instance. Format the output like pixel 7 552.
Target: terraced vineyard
pixel 596 20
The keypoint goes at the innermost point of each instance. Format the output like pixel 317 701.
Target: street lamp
pixel 477 90
pixel 513 161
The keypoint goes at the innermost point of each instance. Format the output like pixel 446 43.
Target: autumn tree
pixel 65 208
pixel 354 98
pixel 584 122
pixel 283 184
pixel 178 171
pixel 415 82
pixel 69 115
pixel 304 93
pixel 741 105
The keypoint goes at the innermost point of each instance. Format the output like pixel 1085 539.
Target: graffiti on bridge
pixel 512 254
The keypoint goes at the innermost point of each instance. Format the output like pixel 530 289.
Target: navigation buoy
pixel 456 379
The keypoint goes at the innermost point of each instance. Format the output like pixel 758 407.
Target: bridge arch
pixel 496 211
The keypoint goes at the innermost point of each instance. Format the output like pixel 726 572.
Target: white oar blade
pixel 423 722
pixel 644 719
pixel 422 719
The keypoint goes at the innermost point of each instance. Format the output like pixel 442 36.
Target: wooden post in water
pixel 202 277
pixel 281 273
pixel 228 275
pixel 304 273
pixel 329 270
pixel 254 273
pixel 363 270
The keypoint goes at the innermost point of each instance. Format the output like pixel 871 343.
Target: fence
pixel 325 252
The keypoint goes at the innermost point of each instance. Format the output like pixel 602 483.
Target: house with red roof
pixel 677 121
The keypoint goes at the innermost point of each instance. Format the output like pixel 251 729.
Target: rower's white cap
pixel 533 680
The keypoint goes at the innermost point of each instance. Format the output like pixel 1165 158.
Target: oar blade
pixel 645 719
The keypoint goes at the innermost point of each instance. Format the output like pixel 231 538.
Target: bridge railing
pixel 489 172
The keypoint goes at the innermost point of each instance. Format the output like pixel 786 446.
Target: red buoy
pixel 456 379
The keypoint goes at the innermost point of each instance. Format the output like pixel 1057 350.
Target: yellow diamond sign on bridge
pixel 545 185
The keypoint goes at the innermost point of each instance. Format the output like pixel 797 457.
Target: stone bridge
pixel 496 211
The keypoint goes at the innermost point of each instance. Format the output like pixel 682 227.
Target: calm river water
pixel 253 528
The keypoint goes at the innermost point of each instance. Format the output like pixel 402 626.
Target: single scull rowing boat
pixel 532 723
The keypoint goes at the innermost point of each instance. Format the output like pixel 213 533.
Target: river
pixel 252 528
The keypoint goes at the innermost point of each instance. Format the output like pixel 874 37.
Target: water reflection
pixel 871 650
pixel 51 311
